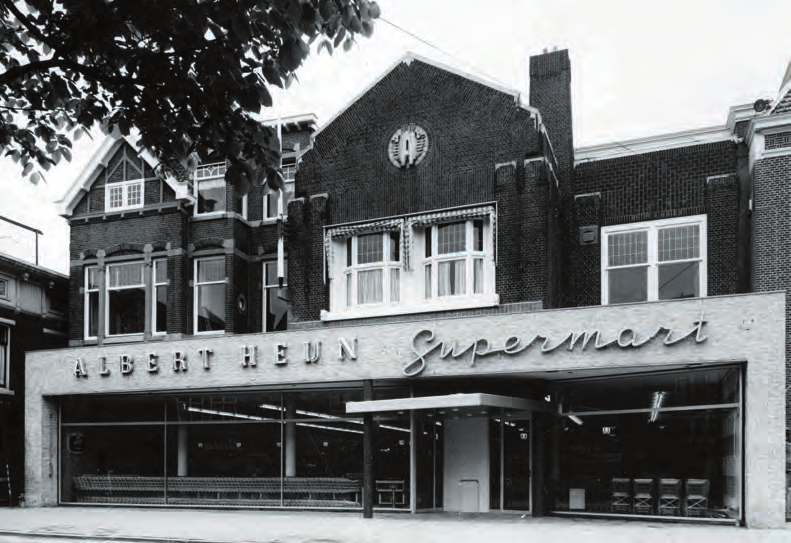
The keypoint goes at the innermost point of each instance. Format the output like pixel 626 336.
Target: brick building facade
pixel 33 312
pixel 437 204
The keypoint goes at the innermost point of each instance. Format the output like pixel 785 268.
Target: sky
pixel 639 68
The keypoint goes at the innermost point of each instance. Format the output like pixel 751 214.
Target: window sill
pixel 213 333
pixel 221 215
pixel 6 392
pixel 110 340
pixel 358 313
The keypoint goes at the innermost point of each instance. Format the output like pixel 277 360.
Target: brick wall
pixel 662 184
pixel 550 92
pixel 771 242
pixel 471 128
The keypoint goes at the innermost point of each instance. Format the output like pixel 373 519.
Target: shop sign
pixel 178 362
pixel 424 344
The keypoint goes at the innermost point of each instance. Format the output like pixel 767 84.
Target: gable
pixel 117 158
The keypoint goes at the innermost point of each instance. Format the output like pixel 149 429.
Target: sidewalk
pixel 212 526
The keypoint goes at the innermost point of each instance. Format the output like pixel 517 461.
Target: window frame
pixel 350 272
pixel 289 167
pixel 124 186
pixel 5 357
pixel 154 290
pixel 469 255
pixel 268 287
pixel 199 177
pixel 652 261
pixel 107 288
pixel 196 287
pixel 86 302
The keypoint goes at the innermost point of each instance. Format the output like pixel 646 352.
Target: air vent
pixel 589 235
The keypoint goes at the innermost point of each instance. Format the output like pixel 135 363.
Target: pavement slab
pixel 132 525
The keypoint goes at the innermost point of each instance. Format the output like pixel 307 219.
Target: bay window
pixel 126 299
pixel 372 272
pixel 655 260
pixel 454 258
pixel 432 261
pixel 210 295
pixel 91 302
pixel 159 318
pixel 275 308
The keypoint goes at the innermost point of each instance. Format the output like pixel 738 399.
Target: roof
pixel 649 144
pixel 783 103
pixel 8 261
pixel 407 59
pixel 108 147
pixel 305 121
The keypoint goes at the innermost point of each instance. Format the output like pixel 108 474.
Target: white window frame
pixel 87 305
pixel 125 187
pixel 196 286
pixel 652 228
pixel 270 289
pixel 349 275
pixel 214 171
pixel 289 173
pixel 108 288
pixel 5 358
pixel 469 255
pixel 5 294
pixel 154 286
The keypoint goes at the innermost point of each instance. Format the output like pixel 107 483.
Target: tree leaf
pixel 35 178
pixel 28 168
pixel 324 44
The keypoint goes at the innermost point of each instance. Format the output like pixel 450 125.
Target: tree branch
pixel 9 4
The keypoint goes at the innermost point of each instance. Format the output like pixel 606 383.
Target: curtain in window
pixel 125 275
pixel 211 270
pixel 357 229
pixel 429 219
pixel 369 286
pixel 451 277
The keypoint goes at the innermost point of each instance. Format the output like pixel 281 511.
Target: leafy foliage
pixel 188 75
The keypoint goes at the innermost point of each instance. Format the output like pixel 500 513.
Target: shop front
pixel 667 410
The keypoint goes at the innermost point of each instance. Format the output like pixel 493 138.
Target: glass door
pixel 517 465
pixel 510 464
pixel 428 461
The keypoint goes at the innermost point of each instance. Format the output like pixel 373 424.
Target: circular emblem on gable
pixel 408 146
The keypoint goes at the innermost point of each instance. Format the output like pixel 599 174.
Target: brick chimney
pixel 550 93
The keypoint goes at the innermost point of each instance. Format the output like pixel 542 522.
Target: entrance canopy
pixel 449 401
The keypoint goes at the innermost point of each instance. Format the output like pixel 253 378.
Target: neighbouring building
pixel 33 307
pixel 468 314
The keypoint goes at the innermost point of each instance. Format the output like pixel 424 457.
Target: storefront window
pixel 664 444
pixel 262 450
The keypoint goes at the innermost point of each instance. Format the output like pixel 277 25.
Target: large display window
pixel 662 444
pixel 295 449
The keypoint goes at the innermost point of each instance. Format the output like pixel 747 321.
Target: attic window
pixel 124 195
pixel 124 185
pixel 4 288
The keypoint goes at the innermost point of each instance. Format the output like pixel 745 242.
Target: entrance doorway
pixel 511 464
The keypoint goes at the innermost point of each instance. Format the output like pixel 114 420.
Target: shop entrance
pixel 472 452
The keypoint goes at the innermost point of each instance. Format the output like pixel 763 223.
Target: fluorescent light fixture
pixel 658 397
pixel 326 416
pixel 226 414
pixel 576 419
